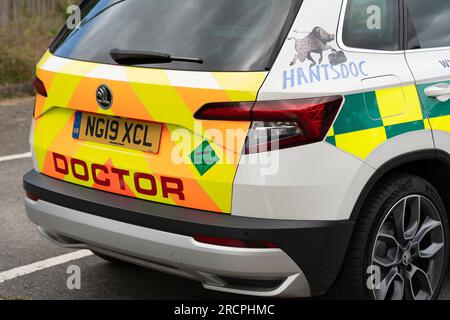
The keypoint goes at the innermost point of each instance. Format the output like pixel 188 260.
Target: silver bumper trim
pixel 168 252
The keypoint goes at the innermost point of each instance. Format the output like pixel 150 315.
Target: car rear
pixel 147 120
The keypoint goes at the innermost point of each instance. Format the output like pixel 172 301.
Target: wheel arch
pixel 430 164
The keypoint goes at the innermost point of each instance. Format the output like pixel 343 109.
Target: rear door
pixel 381 101
pixel 90 95
pixel 428 55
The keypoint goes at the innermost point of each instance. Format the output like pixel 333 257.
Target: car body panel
pixel 306 184
pixel 432 67
pixel 366 119
pixel 382 117
pixel 144 94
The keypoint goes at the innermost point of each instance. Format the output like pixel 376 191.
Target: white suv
pixel 263 147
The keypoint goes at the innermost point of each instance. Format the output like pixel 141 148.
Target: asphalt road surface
pixel 22 246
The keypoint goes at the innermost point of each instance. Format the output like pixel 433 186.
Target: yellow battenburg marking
pixel 361 143
pixel 398 111
pixel 399 105
pixel 391 102
pixel 331 133
pixel 440 123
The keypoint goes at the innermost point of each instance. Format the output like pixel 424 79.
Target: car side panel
pixel 381 118
pixel 312 182
pixel 431 67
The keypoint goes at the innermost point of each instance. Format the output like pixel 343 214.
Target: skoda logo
pixel 406 258
pixel 104 97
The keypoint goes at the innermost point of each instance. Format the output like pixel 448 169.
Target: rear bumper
pixel 160 237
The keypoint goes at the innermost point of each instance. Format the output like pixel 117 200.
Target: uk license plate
pixel 131 134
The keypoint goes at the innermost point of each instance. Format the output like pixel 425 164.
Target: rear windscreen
pixel 228 35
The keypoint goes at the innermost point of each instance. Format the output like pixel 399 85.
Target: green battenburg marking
pixel 371 102
pixel 204 157
pixel 398 129
pixel 434 107
pixel 354 115
pixel 331 140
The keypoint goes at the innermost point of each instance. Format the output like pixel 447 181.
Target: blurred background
pixel 26 29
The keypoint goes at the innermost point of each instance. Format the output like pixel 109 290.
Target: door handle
pixel 439 91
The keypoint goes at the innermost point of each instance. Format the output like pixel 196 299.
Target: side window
pixel 372 24
pixel 428 23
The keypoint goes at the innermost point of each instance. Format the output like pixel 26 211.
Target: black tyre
pixel 400 245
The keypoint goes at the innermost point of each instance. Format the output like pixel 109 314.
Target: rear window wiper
pixel 135 57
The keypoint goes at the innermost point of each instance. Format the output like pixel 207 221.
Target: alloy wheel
pixel 409 251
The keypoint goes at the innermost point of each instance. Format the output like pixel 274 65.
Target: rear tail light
pixel 235 243
pixel 39 87
pixel 278 124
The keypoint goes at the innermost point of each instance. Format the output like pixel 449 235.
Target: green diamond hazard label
pixel 204 157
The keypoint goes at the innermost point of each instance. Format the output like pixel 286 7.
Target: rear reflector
pixel 31 196
pixel 278 124
pixel 236 243
pixel 39 87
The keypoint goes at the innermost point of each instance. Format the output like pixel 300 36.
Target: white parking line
pixel 15 157
pixel 44 264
